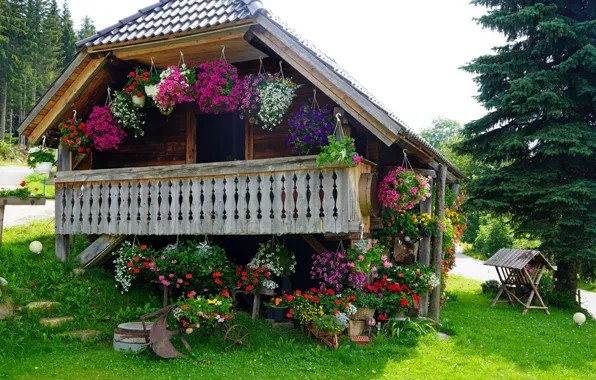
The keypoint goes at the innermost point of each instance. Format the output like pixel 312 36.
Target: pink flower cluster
pixel 217 88
pixel 249 102
pixel 173 89
pixel 103 129
pixel 403 189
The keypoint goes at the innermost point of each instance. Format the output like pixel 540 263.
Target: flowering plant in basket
pixel 365 256
pixel 249 102
pixel 217 88
pixel 21 192
pixel 197 310
pixel 175 87
pixel 342 151
pixel 403 189
pixel 275 257
pixel 131 262
pixel 250 280
pixel 405 224
pixel 277 95
pixel 310 128
pixel 73 133
pixel 39 154
pixel 330 324
pixel 127 113
pixel 103 129
pixel 135 87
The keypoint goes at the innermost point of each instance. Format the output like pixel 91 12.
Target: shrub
pixel 490 287
pixel 493 235
pixel 35 185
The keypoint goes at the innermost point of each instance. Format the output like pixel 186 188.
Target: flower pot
pixel 167 112
pixel 151 90
pixel 356 328
pixel 139 101
pixel 362 314
pixel 43 167
pixel 277 314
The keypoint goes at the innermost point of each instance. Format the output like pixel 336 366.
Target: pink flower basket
pixel 403 189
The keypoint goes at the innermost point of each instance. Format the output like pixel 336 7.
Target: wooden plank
pixel 314 204
pixel 73 92
pixel 241 221
pixel 329 207
pixel 76 210
pixel 314 243
pixel 191 137
pixel 86 213
pixel 114 210
pixel 59 209
pixel 249 141
pixel 265 220
pixel 301 222
pixel 145 213
pixel 68 195
pixel 252 220
pixel 99 249
pixel 229 210
pixel 164 207
pixel 132 223
pixel 173 225
pixel 278 205
pixel 184 221
pixel 52 91
pixel 208 206
pixel 288 206
pixel 196 205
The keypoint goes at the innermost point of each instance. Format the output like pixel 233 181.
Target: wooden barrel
pixel 367 194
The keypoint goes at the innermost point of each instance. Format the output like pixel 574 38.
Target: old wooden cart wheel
pixel 237 335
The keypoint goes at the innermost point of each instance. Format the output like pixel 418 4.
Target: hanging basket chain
pixel 181 60
pixel 406 163
pixel 109 97
pixel 223 54
pixel 281 70
pixel 261 66
pixel 315 104
pixel 152 69
pixel 338 131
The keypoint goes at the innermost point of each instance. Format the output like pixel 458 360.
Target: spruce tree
pixel 68 37
pixel 539 135
pixel 87 28
pixel 50 45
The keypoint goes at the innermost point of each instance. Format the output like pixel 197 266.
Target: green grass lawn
pixel 487 343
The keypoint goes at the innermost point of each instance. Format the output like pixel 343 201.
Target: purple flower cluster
pixel 331 269
pixel 103 129
pixel 309 129
pixel 218 88
pixel 173 89
pixel 250 100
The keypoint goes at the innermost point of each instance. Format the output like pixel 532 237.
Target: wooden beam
pixel 52 91
pixel 78 159
pixel 314 243
pixel 99 249
pixel 69 96
pixel 249 140
pixel 435 297
pixel 191 137
pixel 344 94
pixel 62 242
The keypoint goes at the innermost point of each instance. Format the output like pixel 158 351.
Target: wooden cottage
pixel 208 174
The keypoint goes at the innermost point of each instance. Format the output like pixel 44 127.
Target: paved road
pixel 11 176
pixel 16 215
pixel 470 267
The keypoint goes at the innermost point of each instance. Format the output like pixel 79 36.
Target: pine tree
pixel 539 135
pixel 50 45
pixel 87 28
pixel 68 37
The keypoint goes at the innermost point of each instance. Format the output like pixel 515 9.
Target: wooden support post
pixel 62 241
pixel 2 209
pixel 426 207
pixel 455 188
pixel 435 298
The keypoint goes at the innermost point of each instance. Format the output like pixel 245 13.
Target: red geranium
pixel 404 302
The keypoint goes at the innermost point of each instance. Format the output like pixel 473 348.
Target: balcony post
pixel 62 241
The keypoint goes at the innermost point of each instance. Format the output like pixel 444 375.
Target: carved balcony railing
pixel 282 195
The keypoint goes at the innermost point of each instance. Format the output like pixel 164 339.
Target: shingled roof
pixel 169 17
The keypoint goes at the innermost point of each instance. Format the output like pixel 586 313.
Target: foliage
pixel 276 302
pixel 277 258
pixel 402 189
pixel 250 279
pixel 34 182
pixel 490 287
pixel 249 103
pixel 365 256
pixel 538 136
pixel 405 224
pixel 277 95
pixel 21 192
pixel 175 87
pixel 9 153
pixel 310 128
pixel 103 129
pixel 127 113
pixel 419 279
pixel 407 330
pixel 74 135
pixel 210 311
pixel 217 87
pixel 135 87
pixel 331 270
pixel 442 131
pixel 38 155
pixel 329 323
pixel 342 152
pixel 87 28
pixel 493 236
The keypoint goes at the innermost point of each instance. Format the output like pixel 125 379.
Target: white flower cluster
pixel 276 97
pixel 219 318
pixel 279 260
pixel 433 280
pixel 342 318
pixel 177 313
pixel 270 284
pixel 127 113
pixel 125 255
pixel 351 309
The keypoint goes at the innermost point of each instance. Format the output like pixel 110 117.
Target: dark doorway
pixel 220 138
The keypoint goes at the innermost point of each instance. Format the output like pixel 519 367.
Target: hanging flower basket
pixel 73 133
pixel 402 189
pixel 277 95
pixel 151 90
pixel 103 129
pixel 310 128
pixel 217 87
pixel 139 100
pixel 342 152
pixel 249 103
pixel 41 159
pixel 129 116
pixel 175 87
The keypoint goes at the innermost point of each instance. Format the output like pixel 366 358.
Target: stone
pixel 3 282
pixel 83 335
pixel 78 271
pixel 6 308
pixel 42 305
pixel 54 322
pixel 443 336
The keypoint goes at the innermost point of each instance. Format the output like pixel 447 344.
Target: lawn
pixel 486 342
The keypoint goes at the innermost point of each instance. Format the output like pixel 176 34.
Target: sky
pixel 407 53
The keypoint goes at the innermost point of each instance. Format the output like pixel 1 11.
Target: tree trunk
pixel 10 126
pixel 566 276
pixel 435 297
pixel 3 111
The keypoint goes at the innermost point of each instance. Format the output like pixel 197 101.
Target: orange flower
pixel 143 247
pixel 188 275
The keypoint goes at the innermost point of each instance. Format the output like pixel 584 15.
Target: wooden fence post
pixel 435 297
pixel 62 241
pixel 426 206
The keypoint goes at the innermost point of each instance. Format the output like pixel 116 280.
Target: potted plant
pixel 41 159
pixel 277 95
pixel 278 259
pixel 276 309
pixel 310 128
pixel 175 87
pixel 250 100
pixel 135 88
pixel 402 189
pixel 342 151
pixel 127 114
pixel 217 87
pixel 195 311
pixel 327 324
pixel 73 133
pixel 103 129
pixel 149 80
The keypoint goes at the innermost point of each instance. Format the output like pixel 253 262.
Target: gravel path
pixel 16 215
pixel 470 267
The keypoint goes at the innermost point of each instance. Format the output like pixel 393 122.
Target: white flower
pixel 270 284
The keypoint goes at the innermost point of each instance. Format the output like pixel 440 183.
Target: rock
pixel 78 271
pixel 6 308
pixel 54 322
pixel 83 335
pixel 42 305
pixel 443 336
pixel 3 282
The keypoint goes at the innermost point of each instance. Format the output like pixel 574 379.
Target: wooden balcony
pixel 283 196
